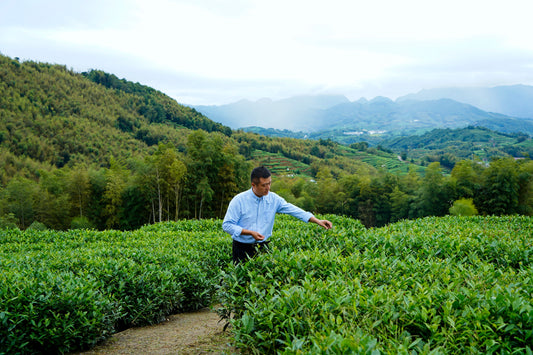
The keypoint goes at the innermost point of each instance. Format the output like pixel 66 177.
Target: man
pixel 250 216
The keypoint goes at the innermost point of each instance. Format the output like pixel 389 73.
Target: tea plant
pixel 434 285
pixel 66 291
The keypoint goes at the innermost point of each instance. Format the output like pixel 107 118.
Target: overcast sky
pixel 216 52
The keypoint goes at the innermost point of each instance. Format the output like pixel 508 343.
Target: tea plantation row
pixel 429 286
pixel 66 291
pixel 434 285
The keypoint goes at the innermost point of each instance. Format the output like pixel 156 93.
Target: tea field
pixel 429 286
pixel 66 291
pixel 451 285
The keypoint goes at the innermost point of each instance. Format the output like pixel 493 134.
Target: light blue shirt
pixel 247 211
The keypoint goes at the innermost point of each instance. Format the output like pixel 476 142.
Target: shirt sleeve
pixel 231 219
pixel 295 211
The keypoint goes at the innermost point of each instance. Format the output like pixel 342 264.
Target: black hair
pixel 259 172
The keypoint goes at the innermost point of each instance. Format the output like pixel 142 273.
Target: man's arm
pixel 257 236
pixel 321 222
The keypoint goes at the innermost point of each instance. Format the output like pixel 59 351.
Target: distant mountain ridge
pixel 515 100
pixel 407 117
pixel 336 114
pixel 293 113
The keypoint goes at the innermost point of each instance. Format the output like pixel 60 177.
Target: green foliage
pixel 8 221
pixel 433 285
pixel 441 285
pixel 65 291
pixel 448 145
pixel 463 207
pixel 81 223
pixel 154 105
pixel 58 117
pixel 499 193
pixel 121 155
pixel 35 225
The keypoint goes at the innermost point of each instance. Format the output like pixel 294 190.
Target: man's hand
pixel 256 235
pixel 322 222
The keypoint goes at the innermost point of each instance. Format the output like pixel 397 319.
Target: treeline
pixel 169 185
pixel 156 106
pixel 504 187
pixel 166 185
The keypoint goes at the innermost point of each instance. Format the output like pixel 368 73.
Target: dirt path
pixel 187 333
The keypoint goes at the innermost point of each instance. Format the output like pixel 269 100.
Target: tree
pixel 178 170
pixel 499 192
pixel 206 156
pixel 204 191
pixel 18 196
pixel 399 201
pixel 525 181
pixel 466 175
pixel 330 198
pixel 79 188
pixel 434 196
pixel 114 189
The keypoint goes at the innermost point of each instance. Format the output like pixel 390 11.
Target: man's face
pixel 263 187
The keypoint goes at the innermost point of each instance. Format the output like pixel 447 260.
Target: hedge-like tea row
pixel 65 291
pixel 434 285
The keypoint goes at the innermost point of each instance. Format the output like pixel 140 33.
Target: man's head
pixel 261 180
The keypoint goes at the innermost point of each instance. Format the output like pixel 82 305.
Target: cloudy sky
pixel 216 51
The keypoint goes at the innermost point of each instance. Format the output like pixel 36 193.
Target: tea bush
pixel 66 291
pixel 433 285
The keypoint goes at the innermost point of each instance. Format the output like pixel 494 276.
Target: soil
pixel 199 332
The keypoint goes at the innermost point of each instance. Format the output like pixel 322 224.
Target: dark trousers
pixel 243 251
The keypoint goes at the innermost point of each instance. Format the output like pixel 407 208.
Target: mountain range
pixel 515 101
pixel 507 109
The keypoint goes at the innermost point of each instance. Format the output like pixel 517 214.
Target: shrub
pixel 65 291
pixel 38 226
pixel 81 223
pixel 463 207
pixel 8 221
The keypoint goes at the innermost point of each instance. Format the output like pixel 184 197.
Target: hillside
pixel 414 117
pixel 449 145
pixel 89 150
pixel 54 116
pixel 94 151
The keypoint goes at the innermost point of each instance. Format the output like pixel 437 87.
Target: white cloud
pixel 279 47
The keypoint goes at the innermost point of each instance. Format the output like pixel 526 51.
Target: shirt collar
pixel 255 197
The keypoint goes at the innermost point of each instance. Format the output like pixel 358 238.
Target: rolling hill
pixel 52 117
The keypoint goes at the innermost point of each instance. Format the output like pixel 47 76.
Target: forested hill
pixel 92 150
pixel 89 150
pixel 451 145
pixel 54 115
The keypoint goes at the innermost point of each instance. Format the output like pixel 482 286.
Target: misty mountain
pixel 515 100
pixel 293 113
pixel 346 121
pixel 405 117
